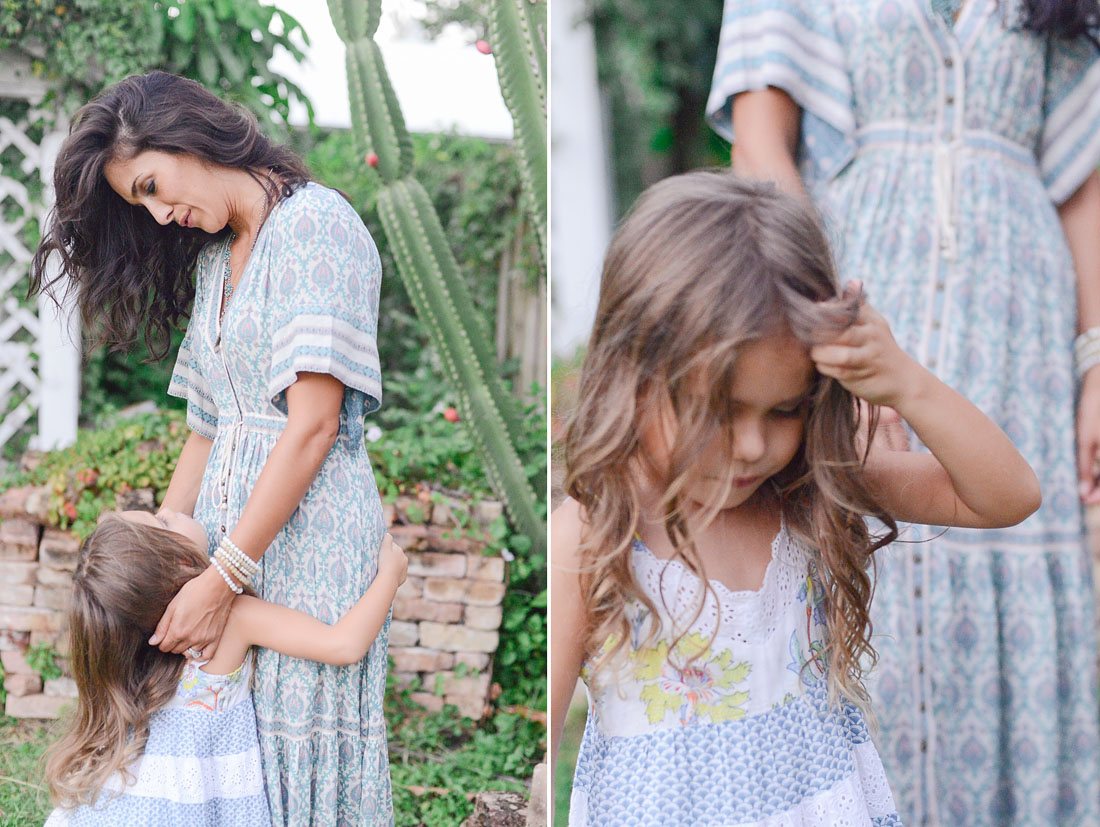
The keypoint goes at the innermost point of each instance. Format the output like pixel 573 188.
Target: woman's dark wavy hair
pixel 1063 18
pixel 129 270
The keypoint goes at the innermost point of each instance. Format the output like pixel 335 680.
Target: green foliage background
pixel 655 64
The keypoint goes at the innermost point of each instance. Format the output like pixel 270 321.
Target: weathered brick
pixel 20 683
pixel 30 619
pixel 38 505
pixel 487 511
pixel 54 577
pixel 60 642
pixel 437 564
pixel 46 639
pixel 469 706
pixel 412 587
pixel 13 503
pixel 18 539
pixel 136 499
pixel 432 703
pixel 484 593
pixel 17 573
pixel 417 608
pixel 53 597
pixel 35 706
pixel 468 685
pixel 421 660
pixel 437 542
pixel 403 634
pixel 12 640
pixel 473 660
pixel 16 595
pixel 452 638
pixel 483 617
pixel 59 550
pixel 15 661
pixel 446 589
pixel 60 688
pixel 481 567
pixel 403 679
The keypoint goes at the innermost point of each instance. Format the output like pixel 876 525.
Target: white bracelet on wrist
pixel 1086 351
pixel 225 576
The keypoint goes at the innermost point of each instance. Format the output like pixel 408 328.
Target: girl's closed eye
pixel 150 187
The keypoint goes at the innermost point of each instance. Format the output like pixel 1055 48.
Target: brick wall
pixel 446 618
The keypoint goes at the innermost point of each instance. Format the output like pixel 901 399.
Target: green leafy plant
pixel 42 658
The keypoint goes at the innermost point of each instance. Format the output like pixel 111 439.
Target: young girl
pixel 710 571
pixel 158 739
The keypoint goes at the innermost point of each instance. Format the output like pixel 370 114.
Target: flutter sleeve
pixel 791 45
pixel 325 283
pixel 188 376
pixel 1069 146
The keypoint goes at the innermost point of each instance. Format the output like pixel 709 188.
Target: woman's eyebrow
pixel 133 187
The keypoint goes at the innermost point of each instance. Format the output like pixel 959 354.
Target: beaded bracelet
pixel 233 568
pixel 234 553
pixel 228 581
pixel 1086 351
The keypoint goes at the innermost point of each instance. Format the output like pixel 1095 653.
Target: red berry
pixel 451 415
pixel 483 47
pixel 372 159
pixel 70 511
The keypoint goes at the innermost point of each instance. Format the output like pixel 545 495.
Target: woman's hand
pixel 866 360
pixel 196 616
pixel 1088 438
pixel 392 561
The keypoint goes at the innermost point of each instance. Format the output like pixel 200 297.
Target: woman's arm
pixel 975 477
pixel 766 124
pixel 1081 222
pixel 568 616
pixel 183 490
pixel 197 615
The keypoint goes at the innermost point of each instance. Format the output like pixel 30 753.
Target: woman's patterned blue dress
pixel 306 302
pixel 937 153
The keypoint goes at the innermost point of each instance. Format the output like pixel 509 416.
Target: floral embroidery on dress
pixel 691 680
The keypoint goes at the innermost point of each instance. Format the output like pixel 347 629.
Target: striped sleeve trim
pixel 1070 145
pixel 322 343
pixel 187 383
pixel 775 47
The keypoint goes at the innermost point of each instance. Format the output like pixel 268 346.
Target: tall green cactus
pixel 517 32
pixel 429 270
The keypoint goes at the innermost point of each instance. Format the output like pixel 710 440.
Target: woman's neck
pixel 249 202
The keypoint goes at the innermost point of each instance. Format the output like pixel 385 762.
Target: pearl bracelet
pixel 228 581
pixel 233 568
pixel 1086 351
pixel 233 552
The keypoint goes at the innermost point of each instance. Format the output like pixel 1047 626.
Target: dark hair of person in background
pixel 1064 18
pixel 130 271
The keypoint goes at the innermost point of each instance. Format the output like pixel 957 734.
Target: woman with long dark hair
pixel 170 202
pixel 952 146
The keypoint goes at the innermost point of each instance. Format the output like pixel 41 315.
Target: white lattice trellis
pixel 39 351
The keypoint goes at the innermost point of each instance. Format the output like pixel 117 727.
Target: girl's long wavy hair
pixel 126 576
pixel 130 270
pixel 705 264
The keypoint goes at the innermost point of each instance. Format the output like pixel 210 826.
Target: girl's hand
pixel 1088 438
pixel 392 561
pixel 196 616
pixel 866 360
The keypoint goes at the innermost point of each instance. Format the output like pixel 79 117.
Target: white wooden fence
pixel 39 345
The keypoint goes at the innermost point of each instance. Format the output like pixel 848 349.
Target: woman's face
pixel 171 520
pixel 178 188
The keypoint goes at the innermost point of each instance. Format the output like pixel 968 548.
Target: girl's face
pixel 768 403
pixel 171 520
pixel 178 188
